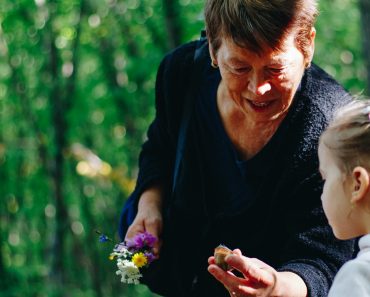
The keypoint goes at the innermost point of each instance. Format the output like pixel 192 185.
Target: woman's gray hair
pixel 257 24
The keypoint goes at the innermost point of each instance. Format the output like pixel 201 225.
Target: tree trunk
pixel 59 125
pixel 93 257
pixel 61 103
pixel 173 21
pixel 3 277
pixel 365 20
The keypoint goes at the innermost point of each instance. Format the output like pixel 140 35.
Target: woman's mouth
pixel 260 106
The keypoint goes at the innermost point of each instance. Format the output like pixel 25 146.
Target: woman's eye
pixel 241 70
pixel 275 71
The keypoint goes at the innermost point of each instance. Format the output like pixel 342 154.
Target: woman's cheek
pixel 237 85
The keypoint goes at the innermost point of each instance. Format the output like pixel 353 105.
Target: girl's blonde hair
pixel 348 135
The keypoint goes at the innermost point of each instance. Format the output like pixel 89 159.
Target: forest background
pixel 76 98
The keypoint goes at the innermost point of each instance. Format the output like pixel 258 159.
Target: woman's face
pixel 263 86
pixel 336 196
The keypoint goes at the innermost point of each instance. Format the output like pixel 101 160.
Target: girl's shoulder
pixel 352 279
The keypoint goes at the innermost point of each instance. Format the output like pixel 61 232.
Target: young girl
pixel 344 153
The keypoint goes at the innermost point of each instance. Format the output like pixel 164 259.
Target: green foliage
pixel 338 43
pixel 76 98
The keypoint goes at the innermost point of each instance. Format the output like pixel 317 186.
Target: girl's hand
pixel 149 216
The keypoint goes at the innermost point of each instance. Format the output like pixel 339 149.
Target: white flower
pixel 122 252
pixel 121 249
pixel 130 274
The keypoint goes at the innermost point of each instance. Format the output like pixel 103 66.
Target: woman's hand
pixel 258 279
pixel 149 216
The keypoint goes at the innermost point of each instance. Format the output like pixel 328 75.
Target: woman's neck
pixel 247 135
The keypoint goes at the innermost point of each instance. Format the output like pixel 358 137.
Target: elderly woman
pixel 235 161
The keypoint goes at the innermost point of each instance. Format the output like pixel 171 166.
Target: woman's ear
pixel 312 35
pixel 212 53
pixel 311 48
pixel 361 184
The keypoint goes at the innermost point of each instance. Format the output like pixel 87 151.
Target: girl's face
pixel 336 196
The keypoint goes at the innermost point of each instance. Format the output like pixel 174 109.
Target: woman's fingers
pixel 253 269
pixel 137 226
pixel 237 252
pixel 151 223
pixel 259 279
pixel 222 276
pixel 235 285
pixel 154 227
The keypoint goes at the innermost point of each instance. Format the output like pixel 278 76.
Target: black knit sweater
pixel 283 224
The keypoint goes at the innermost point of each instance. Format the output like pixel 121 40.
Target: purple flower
pixel 141 241
pixel 150 257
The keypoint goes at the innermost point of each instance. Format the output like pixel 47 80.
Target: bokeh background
pixel 76 97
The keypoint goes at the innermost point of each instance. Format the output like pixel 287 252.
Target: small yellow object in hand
pixel 220 254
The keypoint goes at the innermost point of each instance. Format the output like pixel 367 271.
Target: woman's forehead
pixel 237 54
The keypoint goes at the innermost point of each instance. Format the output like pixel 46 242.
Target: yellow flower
pixel 139 260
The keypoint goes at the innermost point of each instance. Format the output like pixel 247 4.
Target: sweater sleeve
pixel 312 252
pixel 157 156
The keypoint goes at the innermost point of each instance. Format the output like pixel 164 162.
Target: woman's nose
pixel 258 85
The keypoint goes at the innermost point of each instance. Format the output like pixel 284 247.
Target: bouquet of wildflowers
pixel 132 256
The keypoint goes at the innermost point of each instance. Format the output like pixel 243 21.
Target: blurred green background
pixel 76 97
